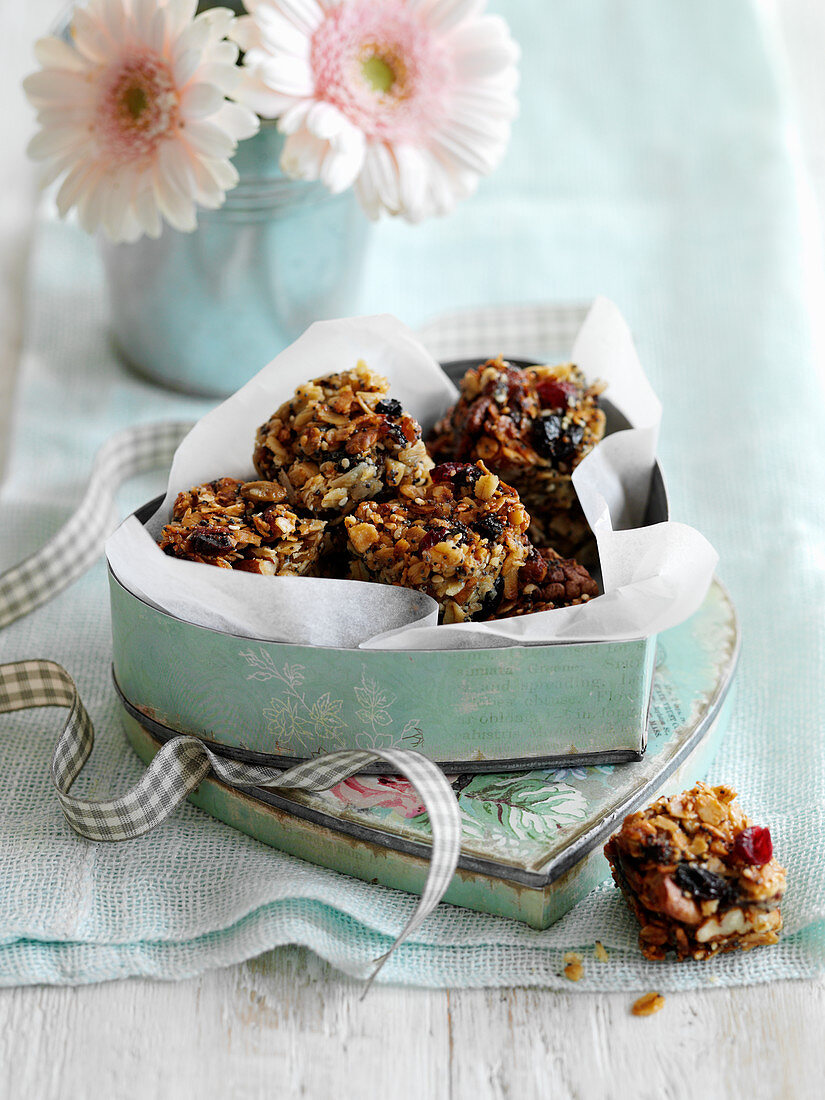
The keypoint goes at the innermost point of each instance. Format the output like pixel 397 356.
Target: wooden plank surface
pixel 286 1024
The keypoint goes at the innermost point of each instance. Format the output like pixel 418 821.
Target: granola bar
pixel 243 525
pixel 532 426
pixel 339 440
pixel 462 540
pixel 699 876
pixel 547 581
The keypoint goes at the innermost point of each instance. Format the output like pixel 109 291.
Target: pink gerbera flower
pixel 134 113
pixel 410 100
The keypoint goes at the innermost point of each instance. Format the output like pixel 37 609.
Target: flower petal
pixel 142 13
pixel 176 166
pixel 208 139
pixel 54 53
pixel 116 200
pixel 225 76
pixel 185 65
pixel 245 32
pixel 180 14
pixel 413 175
pixel 147 212
pixel 220 22
pixel 288 75
pixel 445 14
pixel 342 166
pixel 53 87
pixel 303 155
pixel 378 184
pixel 157 31
pixel 89 39
pixel 237 120
pixel 55 141
pixel 325 121
pixel 200 100
pixel 90 201
pixel 72 187
pixel 293 117
pixel 223 172
pixel 177 209
pixel 304 14
pixel 259 98
pixel 483 47
pixel 191 40
pixel 279 35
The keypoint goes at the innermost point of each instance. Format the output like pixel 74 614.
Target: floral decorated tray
pixel 531 841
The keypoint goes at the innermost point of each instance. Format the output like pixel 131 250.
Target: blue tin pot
pixel 202 312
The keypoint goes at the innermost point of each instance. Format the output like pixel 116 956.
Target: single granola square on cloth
pixel 699 876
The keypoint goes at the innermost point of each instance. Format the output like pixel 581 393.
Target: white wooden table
pixel 288 1025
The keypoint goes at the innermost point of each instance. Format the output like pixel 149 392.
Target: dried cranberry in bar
pixel 339 440
pixel 532 426
pixel 699 876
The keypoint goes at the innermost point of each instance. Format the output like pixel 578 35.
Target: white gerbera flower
pixel 134 112
pixel 410 100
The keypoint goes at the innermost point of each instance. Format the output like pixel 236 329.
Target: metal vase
pixel 203 312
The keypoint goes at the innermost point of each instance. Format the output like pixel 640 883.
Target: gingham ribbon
pixel 79 542
pixel 183 763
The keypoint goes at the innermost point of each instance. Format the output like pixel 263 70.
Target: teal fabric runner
pixel 651 164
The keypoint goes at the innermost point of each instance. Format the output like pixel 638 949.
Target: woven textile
pixel 650 164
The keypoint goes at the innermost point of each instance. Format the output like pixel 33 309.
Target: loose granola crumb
pixel 647 1004
pixel 574 969
pixel 600 952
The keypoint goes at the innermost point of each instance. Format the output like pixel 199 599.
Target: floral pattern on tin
pixel 380 791
pixel 375 711
pixel 300 722
pixel 524 807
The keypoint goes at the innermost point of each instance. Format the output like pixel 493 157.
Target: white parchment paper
pixel 654 577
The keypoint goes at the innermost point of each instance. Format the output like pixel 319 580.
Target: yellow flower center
pixel 377 73
pixel 135 101
pixel 383 70
pixel 137 105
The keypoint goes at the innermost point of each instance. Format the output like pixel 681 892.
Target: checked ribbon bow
pixel 183 762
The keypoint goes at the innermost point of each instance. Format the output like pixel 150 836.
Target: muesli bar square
pixel 700 878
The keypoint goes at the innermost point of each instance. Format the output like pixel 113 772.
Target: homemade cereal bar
pixel 546 581
pixel 243 525
pixel 699 876
pixel 340 440
pixel 532 426
pixel 462 540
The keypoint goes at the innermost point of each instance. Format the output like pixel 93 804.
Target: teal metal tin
pixel 531 840
pixel 473 711
pixel 477 710
pixel 202 312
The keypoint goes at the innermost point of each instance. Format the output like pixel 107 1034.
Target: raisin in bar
pixel 532 426
pixel 339 440
pixel 243 525
pixel 547 581
pixel 699 876
pixel 462 541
